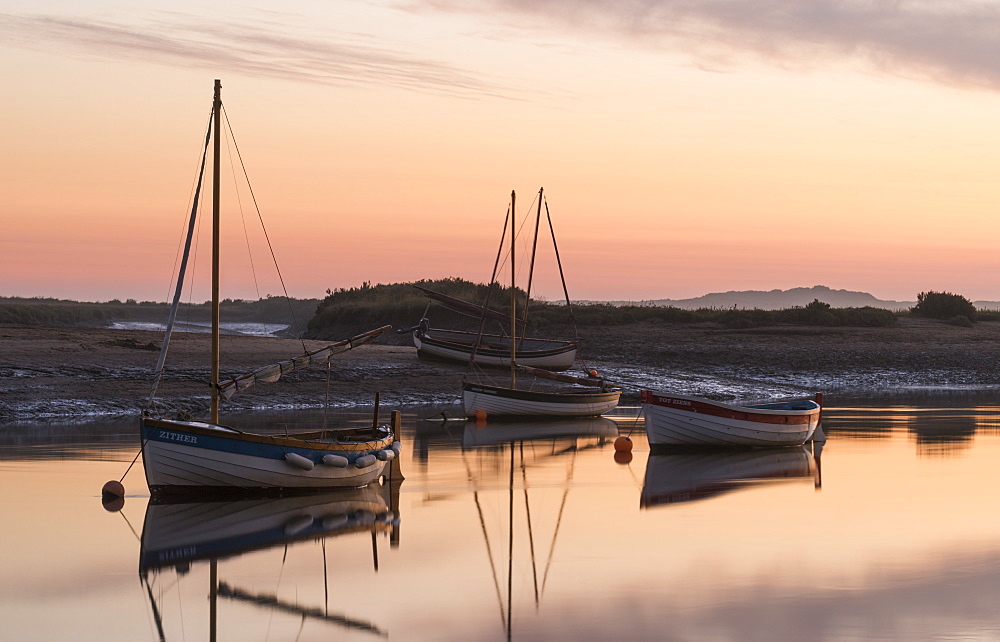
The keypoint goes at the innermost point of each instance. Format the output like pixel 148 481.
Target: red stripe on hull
pixel 790 417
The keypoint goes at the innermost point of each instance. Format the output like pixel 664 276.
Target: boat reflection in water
pixel 493 433
pixel 178 534
pixel 688 475
pixel 506 455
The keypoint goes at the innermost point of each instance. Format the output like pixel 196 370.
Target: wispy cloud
pixel 952 41
pixel 261 48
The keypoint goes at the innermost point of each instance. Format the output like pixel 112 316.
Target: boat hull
pixel 494 350
pixel 508 402
pixel 184 457
pixel 673 420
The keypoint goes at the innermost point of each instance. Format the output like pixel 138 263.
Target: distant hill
pixel 781 299
pixel 795 297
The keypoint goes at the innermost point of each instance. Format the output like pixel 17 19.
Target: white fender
pixel 334 521
pixel 365 461
pixel 299 461
pixel 396 447
pixel 385 455
pixel 337 461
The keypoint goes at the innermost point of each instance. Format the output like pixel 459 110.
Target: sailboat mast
pixel 217 116
pixel 513 297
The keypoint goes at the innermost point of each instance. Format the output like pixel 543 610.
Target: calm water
pixel 892 533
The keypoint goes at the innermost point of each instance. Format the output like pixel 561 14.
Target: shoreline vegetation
pixel 39 311
pixel 347 311
pixel 59 359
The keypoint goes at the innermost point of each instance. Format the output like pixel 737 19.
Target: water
pixel 257 329
pixel 892 533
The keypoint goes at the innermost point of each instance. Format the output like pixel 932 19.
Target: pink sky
pixel 687 150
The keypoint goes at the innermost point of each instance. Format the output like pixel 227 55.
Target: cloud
pixel 261 49
pixel 950 41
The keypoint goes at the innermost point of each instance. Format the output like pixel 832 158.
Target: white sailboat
pixel 184 456
pixel 585 396
pixel 488 349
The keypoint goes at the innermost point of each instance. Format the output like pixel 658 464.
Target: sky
pixel 685 147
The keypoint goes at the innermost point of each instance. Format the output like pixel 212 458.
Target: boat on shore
pixel 676 420
pixel 493 350
pixel 185 456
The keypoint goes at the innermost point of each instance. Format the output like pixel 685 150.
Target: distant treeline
pixel 60 312
pixel 345 312
pixel 348 311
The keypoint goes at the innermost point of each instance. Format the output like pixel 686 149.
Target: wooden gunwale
pixel 301 440
pixel 727 411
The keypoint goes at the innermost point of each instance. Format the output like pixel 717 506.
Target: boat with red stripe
pixel 677 420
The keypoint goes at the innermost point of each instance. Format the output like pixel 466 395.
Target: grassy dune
pixel 347 311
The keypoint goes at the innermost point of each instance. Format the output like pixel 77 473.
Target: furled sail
pixel 592 382
pixel 463 306
pixel 273 372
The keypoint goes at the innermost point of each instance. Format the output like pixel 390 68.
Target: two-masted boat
pixel 583 396
pixel 182 455
pixel 488 349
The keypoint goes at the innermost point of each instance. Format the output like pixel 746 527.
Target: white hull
pixel 177 465
pixel 498 401
pixel 673 420
pixel 455 346
pixel 186 457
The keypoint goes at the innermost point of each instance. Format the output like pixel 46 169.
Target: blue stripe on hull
pixel 233 444
pixel 196 457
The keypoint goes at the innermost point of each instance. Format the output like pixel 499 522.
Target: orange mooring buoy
pixel 113 496
pixel 623 444
pixel 480 415
pixel 113 489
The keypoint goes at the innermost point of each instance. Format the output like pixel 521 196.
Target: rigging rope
pixel 246 232
pixel 489 293
pixel 158 375
pixel 562 278
pixel 263 227
pixel 531 269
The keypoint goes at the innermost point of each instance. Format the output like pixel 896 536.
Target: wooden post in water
pixel 213 598
pixel 217 124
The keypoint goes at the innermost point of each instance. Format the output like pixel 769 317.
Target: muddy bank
pixel 67 372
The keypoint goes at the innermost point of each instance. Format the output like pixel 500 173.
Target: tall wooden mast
pixel 513 297
pixel 217 125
